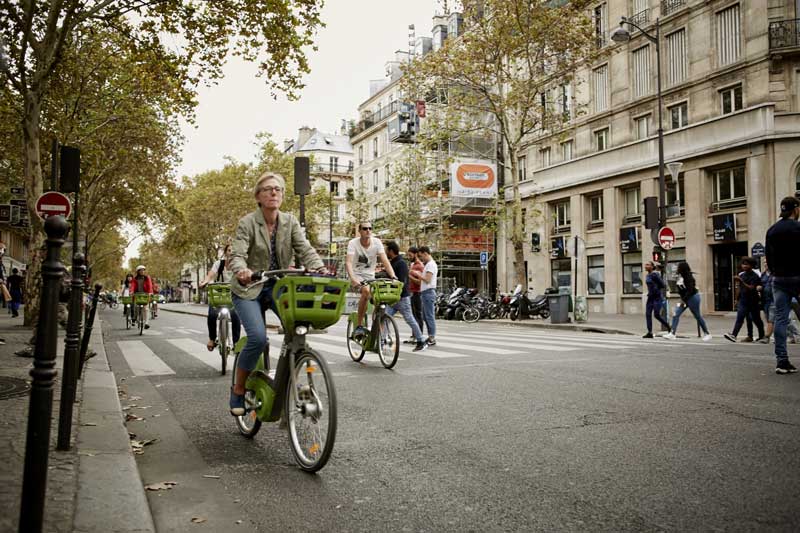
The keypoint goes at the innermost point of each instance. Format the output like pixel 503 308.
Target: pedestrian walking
pixel 415 265
pixel 427 279
pixel 748 305
pixel 782 243
pixel 15 282
pixel 768 305
pixel 655 298
pixel 404 305
pixel 690 299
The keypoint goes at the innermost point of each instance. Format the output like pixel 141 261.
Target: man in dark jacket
pixel 783 241
pixel 748 306
pixel 655 298
pixel 404 305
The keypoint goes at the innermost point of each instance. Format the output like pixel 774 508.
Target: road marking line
pixel 142 360
pixel 199 351
pixel 430 352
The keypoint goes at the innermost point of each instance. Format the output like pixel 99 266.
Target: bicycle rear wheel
pixel 222 339
pixel 140 319
pixel 471 315
pixel 248 424
pixel 127 313
pixel 355 348
pixel 389 343
pixel 311 411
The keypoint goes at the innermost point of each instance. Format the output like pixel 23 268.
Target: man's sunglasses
pixel 366 229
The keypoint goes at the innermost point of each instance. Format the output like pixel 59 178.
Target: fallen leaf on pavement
pixel 88 424
pixel 209 476
pixel 135 398
pixel 198 520
pixel 138 445
pixel 130 417
pixel 163 485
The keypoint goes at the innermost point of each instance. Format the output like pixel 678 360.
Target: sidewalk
pixel 95 486
pixel 597 323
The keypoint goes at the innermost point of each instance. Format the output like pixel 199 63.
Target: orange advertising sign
pixel 476 179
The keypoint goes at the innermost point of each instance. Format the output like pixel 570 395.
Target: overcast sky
pixel 360 37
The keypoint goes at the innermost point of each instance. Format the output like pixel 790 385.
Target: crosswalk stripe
pixel 487 341
pixel 141 359
pixel 199 351
pixel 564 344
pixel 430 352
pixel 577 340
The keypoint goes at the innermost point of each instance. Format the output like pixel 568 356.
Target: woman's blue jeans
pixel 252 315
pixel 693 304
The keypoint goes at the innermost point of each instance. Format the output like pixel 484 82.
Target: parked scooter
pixel 523 306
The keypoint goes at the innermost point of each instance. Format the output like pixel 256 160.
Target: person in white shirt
pixel 221 272
pixel 427 279
pixel 363 254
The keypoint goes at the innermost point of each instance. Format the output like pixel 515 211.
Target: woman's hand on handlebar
pixel 243 276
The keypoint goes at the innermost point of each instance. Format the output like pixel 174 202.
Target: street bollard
pixel 34 482
pixel 87 330
pixel 69 380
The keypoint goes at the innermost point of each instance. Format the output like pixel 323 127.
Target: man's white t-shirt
pixel 364 260
pixel 430 266
pixel 226 273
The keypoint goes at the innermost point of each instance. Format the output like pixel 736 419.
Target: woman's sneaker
pixel 785 367
pixel 707 337
pixel 237 404
pixel 669 336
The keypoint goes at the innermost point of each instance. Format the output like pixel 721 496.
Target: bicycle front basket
pixel 141 298
pixel 126 300
pixel 310 300
pixel 386 291
pixel 219 294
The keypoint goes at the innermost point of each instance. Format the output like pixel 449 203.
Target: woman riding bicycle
pixel 265 239
pixel 220 272
pixel 125 290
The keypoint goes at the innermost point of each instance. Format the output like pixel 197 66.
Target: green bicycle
pixel 383 337
pixel 141 299
pixel 127 310
pixel 301 388
pixel 219 296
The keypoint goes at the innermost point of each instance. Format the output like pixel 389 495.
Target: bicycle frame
pixel 269 389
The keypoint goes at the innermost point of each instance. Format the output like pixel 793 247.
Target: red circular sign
pixel 53 203
pixel 666 238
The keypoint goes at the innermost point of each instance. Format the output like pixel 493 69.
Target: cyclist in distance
pixel 125 290
pixel 265 239
pixel 363 254
pixel 221 272
pixel 142 283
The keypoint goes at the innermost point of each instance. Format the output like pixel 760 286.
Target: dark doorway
pixel 727 258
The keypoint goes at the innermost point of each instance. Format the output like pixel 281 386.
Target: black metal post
pixel 72 354
pixel 37 442
pixel 87 330
pixel 330 223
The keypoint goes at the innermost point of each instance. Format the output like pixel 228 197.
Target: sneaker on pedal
pixel 785 367
pixel 237 404
pixel 420 346
pixel 360 332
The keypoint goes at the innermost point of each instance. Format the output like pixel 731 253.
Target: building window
pixel 545 157
pixel 729 188
pixel 600 83
pixel 596 274
pixel 600 27
pixel 676 58
pixel 601 139
pixel 375 180
pixel 375 212
pixel 374 147
pixel 522 168
pixel 675 198
pixel 361 154
pixel 632 202
pixel 642 127
pixel 360 181
pixel 334 163
pixel 565 101
pixel 386 176
pixel 596 210
pixel 679 115
pixel 567 150
pixel 641 71
pixel 632 273
pixel 561 214
pixel 728 36
pixel 561 271
pixel 334 188
pixel 797 183
pixel 731 99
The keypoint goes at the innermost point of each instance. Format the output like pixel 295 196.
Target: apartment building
pixel 458 241
pixel 731 103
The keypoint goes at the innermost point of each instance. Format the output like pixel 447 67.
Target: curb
pixel 110 491
pixel 204 315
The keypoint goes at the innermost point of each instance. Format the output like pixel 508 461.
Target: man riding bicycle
pixel 363 253
pixel 142 283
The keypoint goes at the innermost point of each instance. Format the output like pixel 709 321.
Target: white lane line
pixel 484 346
pixel 199 351
pixel 142 360
pixel 432 351
pixel 194 331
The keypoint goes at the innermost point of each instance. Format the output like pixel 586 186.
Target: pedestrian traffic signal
pixel 651 212
pixel 658 254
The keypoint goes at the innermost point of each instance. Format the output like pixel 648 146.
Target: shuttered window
pixel 641 71
pixel 676 66
pixel 728 36
pixel 600 79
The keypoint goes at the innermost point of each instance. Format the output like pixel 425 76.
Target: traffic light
pixel 658 254
pixel 651 212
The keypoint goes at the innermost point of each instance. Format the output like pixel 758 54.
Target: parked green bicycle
pixel 383 337
pixel 301 386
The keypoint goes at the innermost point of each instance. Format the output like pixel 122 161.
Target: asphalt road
pixel 512 430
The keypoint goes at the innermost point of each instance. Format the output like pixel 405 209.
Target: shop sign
pixel 557 248
pixel 724 227
pixel 628 240
pixel 758 250
pixel 473 178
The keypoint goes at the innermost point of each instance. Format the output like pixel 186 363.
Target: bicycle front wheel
pixel 354 348
pixel 222 339
pixel 127 312
pixel 311 411
pixel 389 345
pixel 140 319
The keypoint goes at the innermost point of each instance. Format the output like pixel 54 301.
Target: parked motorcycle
pixel 522 306
pixel 460 300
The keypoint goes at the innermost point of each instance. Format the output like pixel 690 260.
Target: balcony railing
pixel 730 203
pixel 640 18
pixel 322 168
pixel 784 34
pixel 671 6
pixel 373 118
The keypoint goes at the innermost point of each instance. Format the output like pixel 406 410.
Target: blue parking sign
pixel 484 258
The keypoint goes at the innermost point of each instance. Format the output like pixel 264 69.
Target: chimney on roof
pixel 303 135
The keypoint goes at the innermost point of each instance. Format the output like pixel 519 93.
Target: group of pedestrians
pixel 689 299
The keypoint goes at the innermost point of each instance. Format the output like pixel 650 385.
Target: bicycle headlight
pixel 301 330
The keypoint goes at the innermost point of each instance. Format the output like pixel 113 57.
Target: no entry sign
pixel 666 238
pixel 53 203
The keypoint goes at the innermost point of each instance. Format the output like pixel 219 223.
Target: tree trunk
pixel 33 189
pixel 517 224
